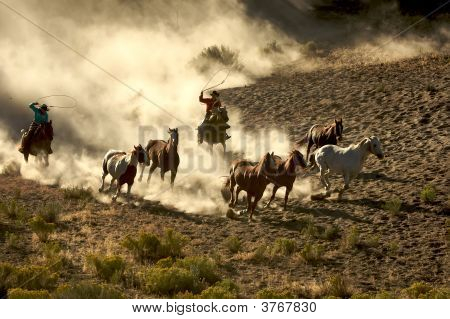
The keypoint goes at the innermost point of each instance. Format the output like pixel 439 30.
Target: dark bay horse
pixel 214 131
pixel 252 179
pixel 164 155
pixel 286 174
pixel 40 145
pixel 319 135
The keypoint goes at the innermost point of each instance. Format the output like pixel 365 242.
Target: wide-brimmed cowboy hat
pixel 215 93
pixel 44 107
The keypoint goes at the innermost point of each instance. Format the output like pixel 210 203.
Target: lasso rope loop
pixel 212 77
pixel 74 105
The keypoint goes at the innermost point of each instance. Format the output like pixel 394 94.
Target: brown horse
pixel 319 135
pixel 40 145
pixel 286 174
pixel 252 179
pixel 163 155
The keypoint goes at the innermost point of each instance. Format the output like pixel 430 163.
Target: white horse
pixel 123 167
pixel 347 161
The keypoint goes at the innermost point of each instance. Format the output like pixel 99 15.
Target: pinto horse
pixel 319 135
pixel 286 174
pixel 122 167
pixel 163 155
pixel 252 179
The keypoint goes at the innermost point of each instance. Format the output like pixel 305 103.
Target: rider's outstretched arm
pixel 33 106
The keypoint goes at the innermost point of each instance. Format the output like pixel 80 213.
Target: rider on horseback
pixel 213 109
pixel 40 117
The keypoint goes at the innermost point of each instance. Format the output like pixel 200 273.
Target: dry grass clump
pixel 351 239
pixel 151 247
pixel 393 206
pixel 41 228
pixel 233 244
pixel 428 194
pixel 274 293
pixel 50 212
pixel 13 210
pixel 77 193
pixel 284 246
pixel 312 253
pixel 336 287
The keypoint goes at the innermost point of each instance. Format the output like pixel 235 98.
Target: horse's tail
pixel 105 165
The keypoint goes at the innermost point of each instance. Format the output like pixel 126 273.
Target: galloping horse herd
pixel 249 176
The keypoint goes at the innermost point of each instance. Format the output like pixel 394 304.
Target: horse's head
pixel 374 146
pixel 173 136
pixel 298 158
pixel 339 128
pixel 141 155
pixel 267 165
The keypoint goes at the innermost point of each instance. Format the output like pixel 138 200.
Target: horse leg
pixel 173 174
pixel 46 160
pixel 232 184
pixel 238 190
pixel 274 191
pixel 211 149
pixel 224 148
pixel 323 178
pixel 129 191
pixel 103 181
pixel 111 184
pixel 249 206
pixel 150 172
pixel 308 149
pixel 255 202
pixel 346 185
pixel 162 173
pixel 142 172
pixel 117 193
pixel 286 197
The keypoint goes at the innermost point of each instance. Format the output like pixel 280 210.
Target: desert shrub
pixel 169 281
pixel 224 289
pixel 109 268
pixel 214 56
pixel 310 229
pixel 312 253
pixel 336 286
pixel 384 294
pixel 12 240
pixel 28 277
pixel 165 262
pixel 351 239
pixel 274 293
pixel 233 244
pixel 372 241
pixel 203 268
pixel 150 247
pixel 54 257
pixel 87 290
pixel 260 254
pixel 284 246
pixel 393 248
pixel 393 206
pixel 41 228
pixel 417 290
pixel 77 193
pixel 13 210
pixel 50 212
pixel 19 293
pixel 272 47
pixel 331 233
pixel 428 194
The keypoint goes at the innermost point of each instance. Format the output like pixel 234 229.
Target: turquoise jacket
pixel 39 118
